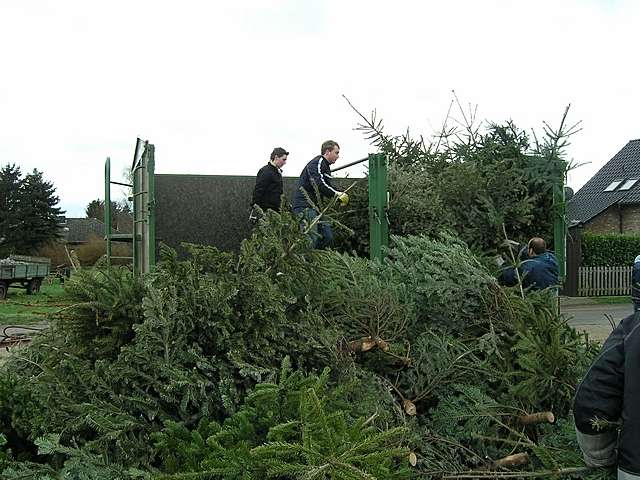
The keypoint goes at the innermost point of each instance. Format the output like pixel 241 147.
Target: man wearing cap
pixel 268 190
pixel 316 179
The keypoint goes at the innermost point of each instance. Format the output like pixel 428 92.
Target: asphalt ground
pixel 596 319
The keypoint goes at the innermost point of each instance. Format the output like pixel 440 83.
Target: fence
pixel 597 281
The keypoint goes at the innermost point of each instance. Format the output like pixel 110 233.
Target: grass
pixel 22 309
pixel 625 299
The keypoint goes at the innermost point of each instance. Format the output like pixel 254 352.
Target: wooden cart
pixel 23 272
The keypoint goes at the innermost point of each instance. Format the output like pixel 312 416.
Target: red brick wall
pixel 605 222
pixel 631 219
pixel 609 220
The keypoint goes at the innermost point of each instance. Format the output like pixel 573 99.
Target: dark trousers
pixel 321 234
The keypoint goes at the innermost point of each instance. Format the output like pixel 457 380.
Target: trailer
pixel 22 271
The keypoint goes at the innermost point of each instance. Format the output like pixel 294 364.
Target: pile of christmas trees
pixel 283 362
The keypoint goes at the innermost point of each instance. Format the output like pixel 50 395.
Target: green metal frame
pixel 144 207
pixel 560 220
pixel 378 206
pixel 107 207
pixel 144 222
pixel 109 236
pixel 143 237
pixel 378 203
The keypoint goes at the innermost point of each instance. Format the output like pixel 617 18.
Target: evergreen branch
pixel 500 474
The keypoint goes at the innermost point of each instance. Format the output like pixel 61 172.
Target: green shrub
pixel 90 252
pixel 610 250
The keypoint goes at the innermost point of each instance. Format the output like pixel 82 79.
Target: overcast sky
pixel 215 85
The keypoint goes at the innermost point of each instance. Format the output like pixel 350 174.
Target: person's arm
pixel 508 276
pixel 598 450
pixel 318 178
pixel 629 437
pixel 599 397
pixel 527 268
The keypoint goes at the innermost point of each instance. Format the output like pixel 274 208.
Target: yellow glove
pixel 343 198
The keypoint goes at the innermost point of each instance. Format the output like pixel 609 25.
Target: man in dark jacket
pixel 316 179
pixel 608 396
pixel 538 270
pixel 635 284
pixel 268 190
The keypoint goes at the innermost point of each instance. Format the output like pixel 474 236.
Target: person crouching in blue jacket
pixel 635 285
pixel 538 270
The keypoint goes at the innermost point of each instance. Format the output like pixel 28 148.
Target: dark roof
pixel 78 230
pixel 591 199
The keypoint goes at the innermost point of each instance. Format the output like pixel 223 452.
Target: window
pixel 613 185
pixel 628 184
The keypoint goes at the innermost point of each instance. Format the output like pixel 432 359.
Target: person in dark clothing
pixel 608 396
pixel 538 269
pixel 267 193
pixel 635 285
pixel 316 177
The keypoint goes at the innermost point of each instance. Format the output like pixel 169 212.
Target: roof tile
pixel 591 199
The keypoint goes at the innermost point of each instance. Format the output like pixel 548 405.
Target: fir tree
pixel 120 213
pixel 296 428
pixel 37 212
pixel 10 179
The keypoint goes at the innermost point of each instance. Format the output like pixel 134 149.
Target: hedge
pixel 609 250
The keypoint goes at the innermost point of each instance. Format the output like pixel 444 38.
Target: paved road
pixel 593 318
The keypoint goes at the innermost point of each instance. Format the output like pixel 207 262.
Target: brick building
pixel 610 201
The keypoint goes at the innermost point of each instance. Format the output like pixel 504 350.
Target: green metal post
pixel 107 207
pixel 144 220
pixel 559 222
pixel 136 217
pixel 378 197
pixel 151 207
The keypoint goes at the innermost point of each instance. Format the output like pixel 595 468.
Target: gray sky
pixel 216 85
